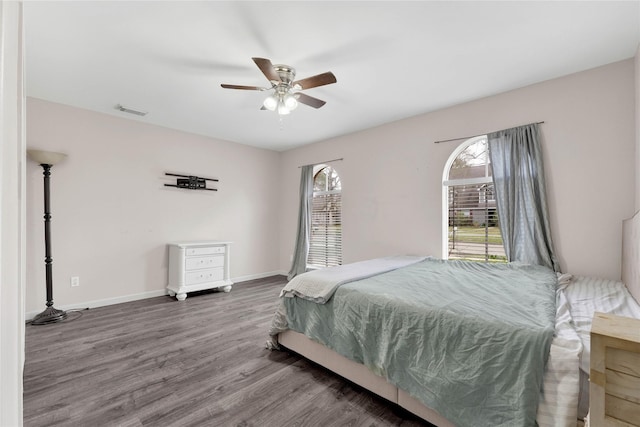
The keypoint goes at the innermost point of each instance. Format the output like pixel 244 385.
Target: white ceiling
pixel 392 59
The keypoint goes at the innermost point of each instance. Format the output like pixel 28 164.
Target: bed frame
pixel 362 376
pixel 359 374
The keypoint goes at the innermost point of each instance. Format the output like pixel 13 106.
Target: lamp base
pixel 49 315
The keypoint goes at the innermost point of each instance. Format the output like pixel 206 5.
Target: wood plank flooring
pixel 200 362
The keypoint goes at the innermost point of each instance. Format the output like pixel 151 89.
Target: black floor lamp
pixel 46 159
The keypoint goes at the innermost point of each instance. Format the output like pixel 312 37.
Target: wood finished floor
pixel 200 362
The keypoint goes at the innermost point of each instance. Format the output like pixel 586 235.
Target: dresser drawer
pixel 204 251
pixel 203 276
pixel 197 263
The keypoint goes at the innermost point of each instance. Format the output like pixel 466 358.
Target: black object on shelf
pixel 191 182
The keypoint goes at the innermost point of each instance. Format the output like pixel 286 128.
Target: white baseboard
pixel 144 295
pixel 258 276
pixel 102 302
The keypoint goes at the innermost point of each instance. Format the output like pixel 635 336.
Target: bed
pixel 360 321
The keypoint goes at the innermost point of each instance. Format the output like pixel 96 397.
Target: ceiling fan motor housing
pixel 286 73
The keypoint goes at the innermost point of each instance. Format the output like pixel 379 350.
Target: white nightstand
pixel 195 266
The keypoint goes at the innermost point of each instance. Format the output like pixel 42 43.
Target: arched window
pixel 471 230
pixel 325 249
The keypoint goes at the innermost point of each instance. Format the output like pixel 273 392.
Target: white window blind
pixel 472 229
pixel 325 247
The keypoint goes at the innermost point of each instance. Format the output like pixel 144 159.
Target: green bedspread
pixel 469 340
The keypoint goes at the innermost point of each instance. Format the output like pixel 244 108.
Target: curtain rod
pixel 319 163
pixel 467 137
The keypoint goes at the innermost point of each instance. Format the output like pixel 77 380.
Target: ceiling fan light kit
pixel 286 91
pixel 283 100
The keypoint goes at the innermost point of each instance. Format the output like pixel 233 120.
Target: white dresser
pixel 195 266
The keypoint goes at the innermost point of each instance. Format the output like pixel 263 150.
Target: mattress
pixel 586 295
pixel 560 394
pixel 455 311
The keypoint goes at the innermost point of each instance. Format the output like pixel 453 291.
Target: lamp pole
pixel 50 314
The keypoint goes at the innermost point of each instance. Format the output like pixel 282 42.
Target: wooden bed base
pixel 359 374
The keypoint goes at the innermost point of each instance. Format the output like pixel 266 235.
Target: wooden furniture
pixel 614 387
pixel 195 266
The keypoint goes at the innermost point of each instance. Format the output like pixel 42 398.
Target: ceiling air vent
pixel 131 110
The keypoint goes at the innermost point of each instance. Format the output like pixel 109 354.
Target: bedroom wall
pixel 112 216
pixel 391 175
pixel 637 92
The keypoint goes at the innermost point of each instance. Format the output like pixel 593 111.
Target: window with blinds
pixel 325 248
pixel 472 229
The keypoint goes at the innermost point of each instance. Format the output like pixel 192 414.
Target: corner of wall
pixel 637 118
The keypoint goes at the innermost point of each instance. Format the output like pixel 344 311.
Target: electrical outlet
pixel 75 281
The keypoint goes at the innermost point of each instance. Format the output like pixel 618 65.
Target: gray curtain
pixel 518 177
pixel 301 250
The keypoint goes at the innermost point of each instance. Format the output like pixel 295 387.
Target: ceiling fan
pixel 286 91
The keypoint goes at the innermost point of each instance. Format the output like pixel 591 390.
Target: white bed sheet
pixel 559 398
pixel 586 295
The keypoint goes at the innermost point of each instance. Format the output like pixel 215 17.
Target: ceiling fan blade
pixel 315 81
pixel 226 86
pixel 267 69
pixel 309 100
